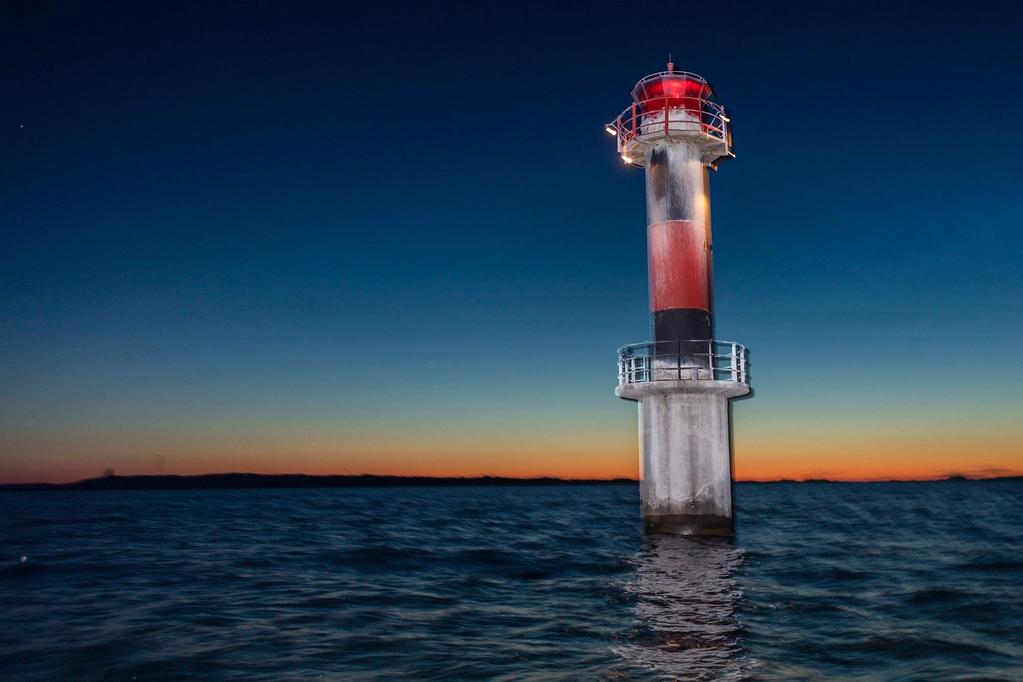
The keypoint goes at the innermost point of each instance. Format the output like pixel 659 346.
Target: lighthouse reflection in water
pixel 686 595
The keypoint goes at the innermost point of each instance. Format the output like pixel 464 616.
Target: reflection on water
pixel 686 596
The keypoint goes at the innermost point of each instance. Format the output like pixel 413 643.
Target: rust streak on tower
pixel 684 378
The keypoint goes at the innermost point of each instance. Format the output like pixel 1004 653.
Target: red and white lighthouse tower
pixel 684 378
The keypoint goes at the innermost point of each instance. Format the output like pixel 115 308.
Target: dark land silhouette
pixel 240 480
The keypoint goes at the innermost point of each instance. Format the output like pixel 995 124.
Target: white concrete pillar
pixel 686 464
pixel 685 454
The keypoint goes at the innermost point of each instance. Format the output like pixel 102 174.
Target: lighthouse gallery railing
pixel 660 117
pixel 682 361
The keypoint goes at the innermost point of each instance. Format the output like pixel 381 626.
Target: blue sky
pixel 276 237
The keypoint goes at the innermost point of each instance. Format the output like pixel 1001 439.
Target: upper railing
pixel 672 73
pixel 672 118
pixel 682 361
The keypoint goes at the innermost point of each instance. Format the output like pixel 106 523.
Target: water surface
pixel 842 581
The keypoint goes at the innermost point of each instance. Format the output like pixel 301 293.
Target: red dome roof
pixel 678 90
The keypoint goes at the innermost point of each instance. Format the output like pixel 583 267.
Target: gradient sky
pixel 395 239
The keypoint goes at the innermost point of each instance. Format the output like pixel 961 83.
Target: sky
pixel 311 237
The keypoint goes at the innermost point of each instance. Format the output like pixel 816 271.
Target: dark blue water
pixel 882 581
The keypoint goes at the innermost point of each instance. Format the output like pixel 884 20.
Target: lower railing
pixel 682 361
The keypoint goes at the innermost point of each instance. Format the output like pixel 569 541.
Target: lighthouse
pixel 683 379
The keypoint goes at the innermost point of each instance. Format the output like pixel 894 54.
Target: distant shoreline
pixel 252 481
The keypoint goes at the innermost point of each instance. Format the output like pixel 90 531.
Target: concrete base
pixel 689 524
pixel 685 454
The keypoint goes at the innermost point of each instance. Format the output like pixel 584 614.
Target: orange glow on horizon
pixel 607 457
pixel 766 450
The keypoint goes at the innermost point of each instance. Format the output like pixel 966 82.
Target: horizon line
pixel 111 480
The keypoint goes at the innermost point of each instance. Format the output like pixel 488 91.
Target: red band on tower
pixel 679 256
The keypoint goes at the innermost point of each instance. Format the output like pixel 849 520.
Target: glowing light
pixel 610 131
pixel 626 158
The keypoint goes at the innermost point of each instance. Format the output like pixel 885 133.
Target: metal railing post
pixel 711 359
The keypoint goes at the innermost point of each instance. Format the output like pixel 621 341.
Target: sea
pixel 879 581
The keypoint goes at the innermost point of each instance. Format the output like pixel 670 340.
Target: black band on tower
pixel 682 324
